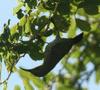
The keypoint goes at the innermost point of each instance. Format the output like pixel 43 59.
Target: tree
pixel 40 19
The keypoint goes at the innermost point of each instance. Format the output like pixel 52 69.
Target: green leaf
pixel 27 84
pixel 35 80
pixel 64 7
pixel 48 33
pixel 40 23
pixel 39 83
pixel 60 23
pixel 35 51
pixel 6 33
pixel 72 27
pixel 31 3
pixel 19 14
pixel 91 9
pixel 16 9
pixel 34 3
pixel 49 5
pixel 27 8
pixel 76 54
pixel 27 26
pixel 21 48
pixel 22 21
pixel 17 87
pixel 98 76
pixel 13 29
pixel 83 25
pixel 90 6
pixel 5 86
pixel 36 55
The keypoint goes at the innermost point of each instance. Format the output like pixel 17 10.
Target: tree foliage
pixel 40 19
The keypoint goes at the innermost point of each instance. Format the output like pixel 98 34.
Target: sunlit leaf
pixel 14 29
pixel 72 27
pixel 17 87
pixel 98 76
pixel 22 21
pixel 27 26
pixel 35 80
pixel 16 9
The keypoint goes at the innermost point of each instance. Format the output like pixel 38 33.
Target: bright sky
pixel 6 8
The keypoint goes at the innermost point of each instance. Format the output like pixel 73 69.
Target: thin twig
pixel 12 66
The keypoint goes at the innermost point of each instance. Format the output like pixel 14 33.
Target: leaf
pixel 27 8
pixel 6 33
pixel 91 9
pixel 27 84
pixel 13 29
pixel 35 80
pixel 35 51
pixel 83 25
pixel 90 6
pixel 20 14
pixel 34 3
pixel 89 2
pixel 97 76
pixel 27 26
pixel 60 23
pixel 40 23
pixel 48 33
pixel 75 54
pixel 36 55
pixel 49 5
pixel 31 3
pixel 16 9
pixel 17 87
pixel 21 48
pixel 5 87
pixel 64 7
pixel 39 83
pixel 72 27
pixel 22 21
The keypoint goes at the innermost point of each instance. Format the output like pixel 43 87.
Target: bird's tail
pixel 39 71
pixel 78 38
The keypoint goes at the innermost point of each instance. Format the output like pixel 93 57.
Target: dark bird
pixel 54 52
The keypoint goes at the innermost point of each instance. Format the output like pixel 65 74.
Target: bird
pixel 54 52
